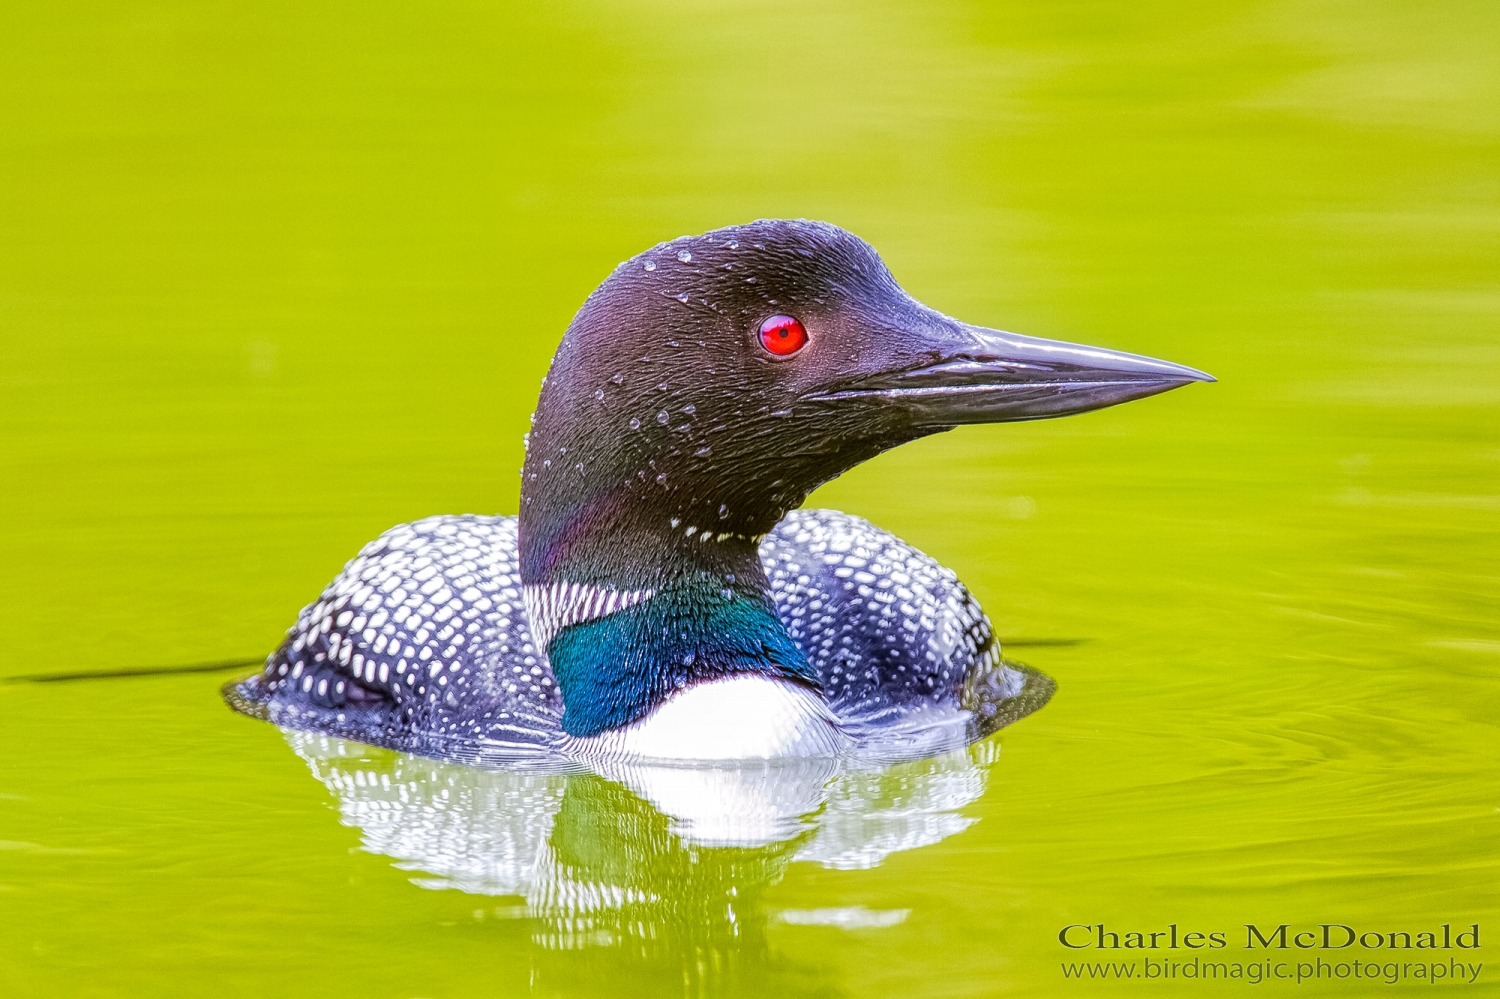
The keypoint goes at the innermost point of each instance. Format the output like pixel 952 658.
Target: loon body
pixel 660 596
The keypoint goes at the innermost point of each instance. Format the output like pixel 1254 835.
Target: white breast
pixel 736 718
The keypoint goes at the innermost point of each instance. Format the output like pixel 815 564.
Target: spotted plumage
pixel 888 627
pixel 424 642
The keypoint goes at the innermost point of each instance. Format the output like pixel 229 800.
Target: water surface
pixel 274 278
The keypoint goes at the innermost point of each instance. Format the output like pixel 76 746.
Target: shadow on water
pixel 653 876
pixel 131 672
pixel 224 665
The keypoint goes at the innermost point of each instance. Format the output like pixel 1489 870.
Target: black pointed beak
pixel 990 376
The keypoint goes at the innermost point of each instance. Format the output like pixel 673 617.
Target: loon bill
pixel 660 596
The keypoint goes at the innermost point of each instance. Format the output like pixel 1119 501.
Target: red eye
pixel 782 336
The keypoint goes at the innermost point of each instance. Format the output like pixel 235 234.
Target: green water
pixel 274 277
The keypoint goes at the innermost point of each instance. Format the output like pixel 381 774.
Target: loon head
pixel 700 393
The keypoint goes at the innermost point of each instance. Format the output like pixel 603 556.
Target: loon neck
pixel 629 613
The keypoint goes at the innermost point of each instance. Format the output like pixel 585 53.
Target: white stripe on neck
pixel 555 606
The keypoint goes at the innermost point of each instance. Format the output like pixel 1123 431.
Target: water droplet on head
pixel 684 256
pixel 618 379
pixel 723 511
pixel 598 394
pixel 749 280
pixel 661 479
pixel 635 424
pixel 690 409
pixel 662 417
pixel 650 265
pixel 683 298
pixel 734 244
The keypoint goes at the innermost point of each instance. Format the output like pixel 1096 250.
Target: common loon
pixel 660 596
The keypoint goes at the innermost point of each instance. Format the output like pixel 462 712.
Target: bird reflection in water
pixel 655 872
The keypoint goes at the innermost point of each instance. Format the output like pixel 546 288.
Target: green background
pixel 274 277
